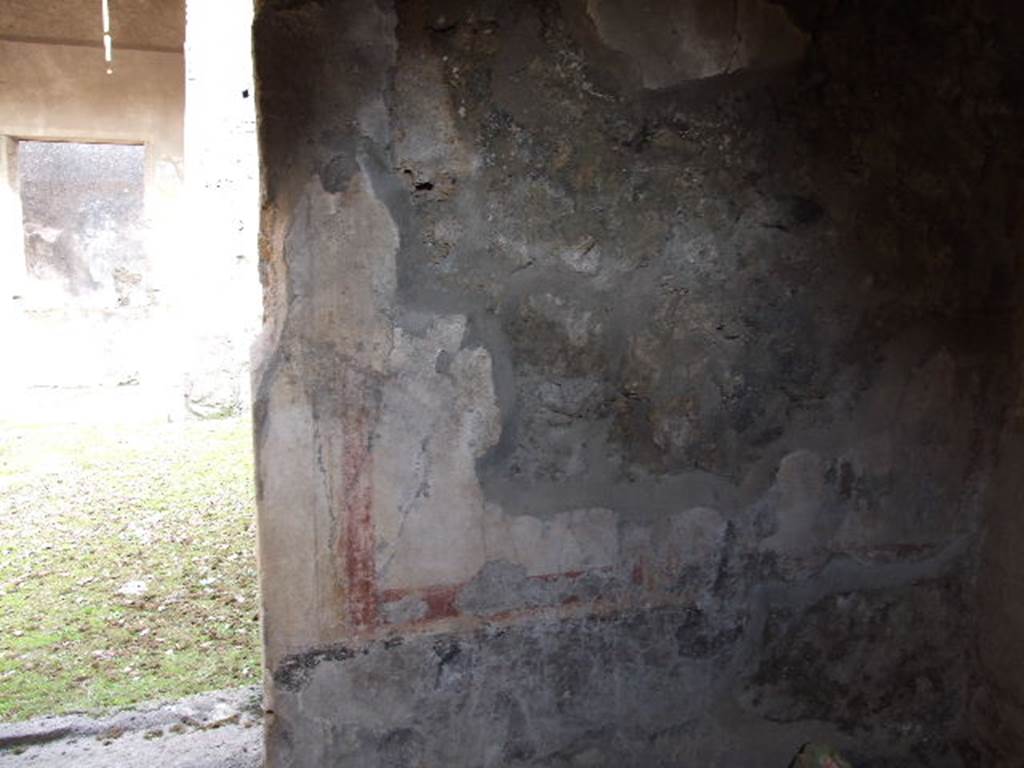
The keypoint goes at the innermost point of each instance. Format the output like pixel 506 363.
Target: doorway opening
pixel 83 209
pixel 88 299
pixel 130 296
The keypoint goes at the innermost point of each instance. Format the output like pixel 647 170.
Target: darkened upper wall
pixel 145 24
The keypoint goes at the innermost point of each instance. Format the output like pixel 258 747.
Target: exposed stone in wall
pixel 599 426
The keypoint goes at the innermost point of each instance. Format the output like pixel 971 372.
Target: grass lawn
pixel 127 567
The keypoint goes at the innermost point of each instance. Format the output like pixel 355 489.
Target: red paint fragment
pixel 441 603
pixel 393 595
pixel 360 537
pixel 440 600
pixel 638 573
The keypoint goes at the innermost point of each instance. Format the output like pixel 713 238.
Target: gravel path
pixel 214 730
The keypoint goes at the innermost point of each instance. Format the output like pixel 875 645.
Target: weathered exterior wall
pixel 88 296
pixel 12 234
pixel 629 389
pixel 135 24
pixel 62 92
pixel 84 220
pixel 222 188
pixel 190 349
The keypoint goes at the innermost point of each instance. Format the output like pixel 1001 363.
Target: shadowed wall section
pixel 632 377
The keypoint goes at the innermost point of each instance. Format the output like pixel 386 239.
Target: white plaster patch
pixel 340 254
pixel 801 485
pixel 343 277
pixel 292 519
pixel 438 415
pixel 578 540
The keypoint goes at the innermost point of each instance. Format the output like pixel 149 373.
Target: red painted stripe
pixel 360 536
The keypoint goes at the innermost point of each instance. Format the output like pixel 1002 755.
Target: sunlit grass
pixel 86 510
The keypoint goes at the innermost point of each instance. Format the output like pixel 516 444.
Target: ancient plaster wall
pixel 628 393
